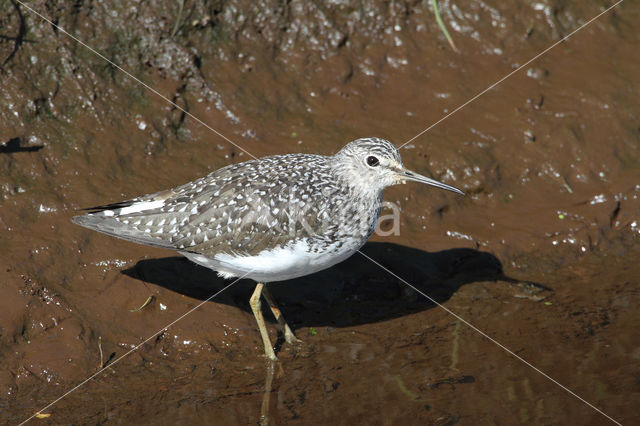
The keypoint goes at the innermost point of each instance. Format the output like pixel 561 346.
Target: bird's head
pixel 372 164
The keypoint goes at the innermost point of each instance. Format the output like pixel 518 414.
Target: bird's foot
pixel 289 337
pixel 271 357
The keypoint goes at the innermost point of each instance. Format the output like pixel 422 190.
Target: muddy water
pixel 541 254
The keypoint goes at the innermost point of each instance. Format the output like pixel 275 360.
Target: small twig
pixel 436 12
pixel 565 183
pixel 101 365
pixel 177 24
pixel 146 302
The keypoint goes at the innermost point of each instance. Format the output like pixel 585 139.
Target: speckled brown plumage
pixel 269 219
pixel 306 205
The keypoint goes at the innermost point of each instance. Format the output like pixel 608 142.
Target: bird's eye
pixel 372 161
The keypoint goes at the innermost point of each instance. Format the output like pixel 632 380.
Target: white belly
pixel 283 263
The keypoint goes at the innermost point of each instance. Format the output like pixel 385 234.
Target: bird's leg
pixel 286 330
pixel 257 312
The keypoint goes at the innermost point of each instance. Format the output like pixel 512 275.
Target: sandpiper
pixel 270 219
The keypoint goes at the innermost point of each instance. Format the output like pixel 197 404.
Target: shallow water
pixel 549 160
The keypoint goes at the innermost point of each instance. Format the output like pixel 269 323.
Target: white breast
pixel 279 264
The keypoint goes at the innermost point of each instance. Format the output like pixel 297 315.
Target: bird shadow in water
pixel 353 292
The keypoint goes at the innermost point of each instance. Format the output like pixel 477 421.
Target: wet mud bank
pixel 541 254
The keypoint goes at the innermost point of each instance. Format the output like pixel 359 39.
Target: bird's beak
pixel 405 175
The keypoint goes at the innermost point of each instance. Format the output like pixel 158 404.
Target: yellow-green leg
pixel 256 305
pixel 286 330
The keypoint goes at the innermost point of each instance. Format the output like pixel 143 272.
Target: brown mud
pixel 549 160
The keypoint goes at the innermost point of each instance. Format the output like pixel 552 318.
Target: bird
pixel 269 219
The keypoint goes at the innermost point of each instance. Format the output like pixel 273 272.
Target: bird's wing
pixel 258 209
pixel 242 208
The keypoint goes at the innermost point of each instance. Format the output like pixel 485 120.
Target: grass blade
pixel 436 12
